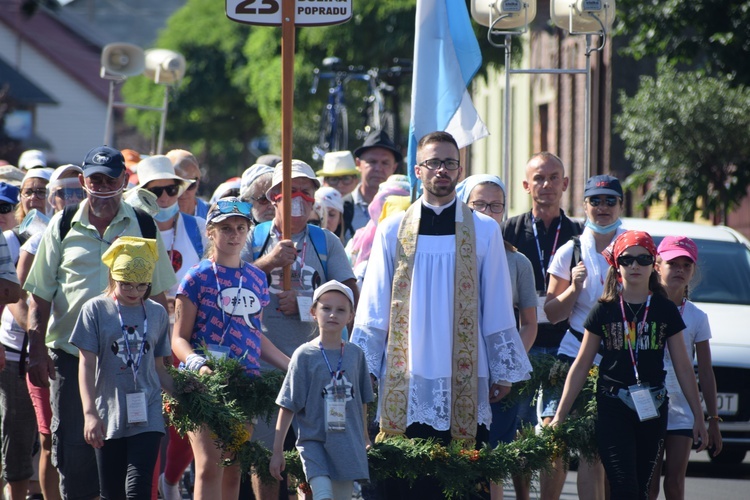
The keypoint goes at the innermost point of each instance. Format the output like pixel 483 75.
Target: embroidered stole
pixel 393 410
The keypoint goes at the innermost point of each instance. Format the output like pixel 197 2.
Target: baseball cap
pixel 32 158
pixel 602 184
pixel 37 173
pixel 251 175
pixel 672 247
pixel 334 286
pixel 9 193
pixel 330 198
pixel 225 208
pixel 64 169
pixel 299 169
pixel 103 160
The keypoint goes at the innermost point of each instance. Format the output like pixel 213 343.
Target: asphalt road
pixel 704 481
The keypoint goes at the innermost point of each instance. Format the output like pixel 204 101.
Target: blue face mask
pixel 167 213
pixel 603 229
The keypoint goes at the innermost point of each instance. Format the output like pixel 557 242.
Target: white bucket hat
pixel 159 167
pixel 299 169
pixel 338 163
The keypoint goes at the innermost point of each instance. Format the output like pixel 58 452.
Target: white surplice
pixel 502 356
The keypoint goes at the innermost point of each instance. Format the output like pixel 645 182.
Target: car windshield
pixel 723 273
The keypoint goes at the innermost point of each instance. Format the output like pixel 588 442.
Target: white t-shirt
pixel 183 252
pixel 697 330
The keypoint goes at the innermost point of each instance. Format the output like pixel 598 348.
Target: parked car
pixel 722 292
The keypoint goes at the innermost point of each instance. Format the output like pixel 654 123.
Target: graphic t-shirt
pixel 228 314
pixel 648 341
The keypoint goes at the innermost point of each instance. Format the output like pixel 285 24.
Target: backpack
pixel 194 234
pixel 22 237
pixel 262 236
pixel 145 222
pixel 576 257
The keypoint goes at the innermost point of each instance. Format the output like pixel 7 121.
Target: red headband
pixel 626 240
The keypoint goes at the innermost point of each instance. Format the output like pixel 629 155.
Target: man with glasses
pixel 339 172
pixel 436 318
pixel 255 181
pixel 66 272
pixel 186 166
pixel 315 256
pixel 376 160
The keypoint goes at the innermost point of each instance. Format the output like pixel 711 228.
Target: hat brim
pixel 113 172
pixel 223 217
pixel 668 255
pixel 8 200
pixel 602 191
pixel 361 150
pixel 339 173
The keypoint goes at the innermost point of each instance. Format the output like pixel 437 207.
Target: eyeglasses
pixel 128 287
pixel 436 163
pixel 194 184
pixel 233 207
pixel 69 193
pixel 39 194
pixel 342 179
pixel 642 260
pixel 6 208
pixel 171 190
pixel 260 200
pixel 495 208
pixel 611 201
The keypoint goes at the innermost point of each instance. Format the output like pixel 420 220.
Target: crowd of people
pixel 112 269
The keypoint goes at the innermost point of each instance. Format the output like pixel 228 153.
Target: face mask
pixel 103 194
pixel 167 213
pixel 603 229
pixel 298 208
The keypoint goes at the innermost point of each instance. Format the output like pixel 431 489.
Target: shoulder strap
pixel 318 239
pixel 146 223
pixel 576 258
pixel 348 216
pixel 67 219
pixel 261 237
pixel 22 237
pixel 191 226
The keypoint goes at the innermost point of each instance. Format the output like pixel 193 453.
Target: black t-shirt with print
pixel 616 367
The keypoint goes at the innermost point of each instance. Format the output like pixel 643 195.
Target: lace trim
pixel 508 359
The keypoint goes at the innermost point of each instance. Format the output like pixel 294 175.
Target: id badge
pixel 336 410
pixel 136 407
pixel 305 304
pixel 540 300
pixel 644 403
pixel 218 351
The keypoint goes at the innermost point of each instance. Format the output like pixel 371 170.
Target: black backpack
pixel 145 222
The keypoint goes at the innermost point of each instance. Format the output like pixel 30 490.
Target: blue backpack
pixel 194 234
pixel 262 236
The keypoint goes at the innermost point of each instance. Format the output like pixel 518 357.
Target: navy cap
pixel 602 184
pixel 9 193
pixel 103 160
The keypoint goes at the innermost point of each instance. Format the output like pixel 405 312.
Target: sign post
pixel 288 14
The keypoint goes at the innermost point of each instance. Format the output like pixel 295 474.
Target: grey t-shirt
pixel 98 330
pixel 340 455
pixel 289 332
pixel 521 280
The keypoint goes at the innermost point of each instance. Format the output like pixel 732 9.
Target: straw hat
pixel 338 163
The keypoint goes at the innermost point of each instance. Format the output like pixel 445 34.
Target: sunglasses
pixel 642 260
pixel 234 207
pixel 171 190
pixel 343 179
pixel 69 193
pixel 193 185
pixel 6 208
pixel 261 200
pixel 611 201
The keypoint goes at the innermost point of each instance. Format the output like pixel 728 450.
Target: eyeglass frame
pixel 488 205
pixel 38 193
pixel 443 164
pixel 129 287
pixel 193 184
pixel 335 180
pixel 610 201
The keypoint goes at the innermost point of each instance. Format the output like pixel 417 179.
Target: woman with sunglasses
pixel 630 326
pixel 576 281
pixel 217 312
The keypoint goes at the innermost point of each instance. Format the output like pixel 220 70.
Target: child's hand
pixel 277 464
pixel 205 370
pixel 368 443
pixel 93 430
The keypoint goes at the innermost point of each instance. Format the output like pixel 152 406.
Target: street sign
pixel 306 12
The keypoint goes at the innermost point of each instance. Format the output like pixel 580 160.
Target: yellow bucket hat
pixel 131 259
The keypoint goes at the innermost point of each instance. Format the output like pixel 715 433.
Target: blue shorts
pixel 504 422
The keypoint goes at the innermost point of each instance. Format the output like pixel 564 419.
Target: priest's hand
pixel 288 302
pixel 498 392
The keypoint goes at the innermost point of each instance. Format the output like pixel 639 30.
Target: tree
pixel 686 135
pixel 710 34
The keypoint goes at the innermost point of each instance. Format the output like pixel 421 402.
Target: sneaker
pixel 169 491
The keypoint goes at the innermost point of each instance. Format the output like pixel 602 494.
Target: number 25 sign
pixel 306 12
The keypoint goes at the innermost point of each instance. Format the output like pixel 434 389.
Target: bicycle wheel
pixel 340 136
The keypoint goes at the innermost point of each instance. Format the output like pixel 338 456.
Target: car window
pixel 723 273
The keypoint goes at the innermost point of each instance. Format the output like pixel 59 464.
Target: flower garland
pixel 227 399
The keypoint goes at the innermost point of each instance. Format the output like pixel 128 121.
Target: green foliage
pixel 686 135
pixel 711 34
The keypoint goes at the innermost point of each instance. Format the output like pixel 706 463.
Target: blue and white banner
pixel 446 58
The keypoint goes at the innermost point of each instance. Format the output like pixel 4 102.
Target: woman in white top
pixel 574 288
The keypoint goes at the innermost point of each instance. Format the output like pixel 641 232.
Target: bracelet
pixel 714 417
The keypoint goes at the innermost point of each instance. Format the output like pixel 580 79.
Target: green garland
pixel 227 399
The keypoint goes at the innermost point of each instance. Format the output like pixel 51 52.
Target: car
pixel 723 293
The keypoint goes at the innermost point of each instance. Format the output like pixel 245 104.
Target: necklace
pixel 635 313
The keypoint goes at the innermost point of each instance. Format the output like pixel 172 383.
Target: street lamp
pixel 122 60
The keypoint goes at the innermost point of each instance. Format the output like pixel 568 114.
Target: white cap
pixel 32 158
pixel 330 198
pixel 334 286
pixel 299 169
pixel 37 173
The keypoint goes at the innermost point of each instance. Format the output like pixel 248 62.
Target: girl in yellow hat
pixel 122 337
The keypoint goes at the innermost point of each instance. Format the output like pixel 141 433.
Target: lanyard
pixel 133 364
pixel 534 220
pixel 224 323
pixel 334 374
pixel 302 254
pixel 682 307
pixel 634 357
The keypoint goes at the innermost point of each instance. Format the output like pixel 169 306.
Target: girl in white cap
pixel 327 390
pixel 332 210
pixel 122 337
